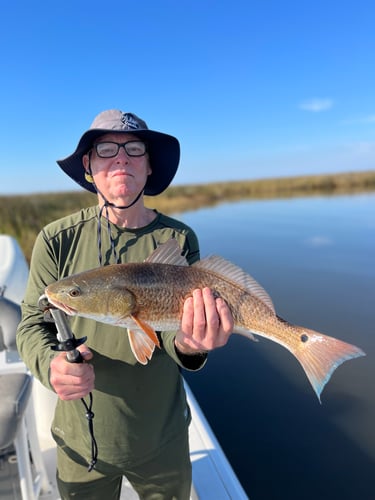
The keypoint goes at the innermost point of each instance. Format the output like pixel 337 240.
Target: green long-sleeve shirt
pixel 137 408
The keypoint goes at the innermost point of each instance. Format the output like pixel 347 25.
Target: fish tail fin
pixel 320 355
pixel 143 341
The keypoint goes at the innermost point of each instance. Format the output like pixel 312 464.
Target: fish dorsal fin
pixel 168 253
pixel 235 274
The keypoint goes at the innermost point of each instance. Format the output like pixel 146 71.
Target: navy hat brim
pixel 163 151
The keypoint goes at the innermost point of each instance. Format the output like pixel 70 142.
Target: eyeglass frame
pixel 119 145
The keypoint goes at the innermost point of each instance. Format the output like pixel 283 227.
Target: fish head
pixel 92 295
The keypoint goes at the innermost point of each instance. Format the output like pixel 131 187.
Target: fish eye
pixel 75 292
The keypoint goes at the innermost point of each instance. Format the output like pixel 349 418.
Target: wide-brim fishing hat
pixel 163 149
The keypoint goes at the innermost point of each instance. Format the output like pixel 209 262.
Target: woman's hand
pixel 72 380
pixel 206 323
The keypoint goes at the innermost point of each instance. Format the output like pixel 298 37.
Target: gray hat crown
pixel 115 119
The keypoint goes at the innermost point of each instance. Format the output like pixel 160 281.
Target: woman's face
pixel 122 177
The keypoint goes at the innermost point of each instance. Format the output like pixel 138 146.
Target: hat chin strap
pixel 108 203
pixel 105 206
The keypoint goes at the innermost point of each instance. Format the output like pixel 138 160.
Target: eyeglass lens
pixel 110 149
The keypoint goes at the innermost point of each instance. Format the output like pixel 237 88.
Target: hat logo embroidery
pixel 129 121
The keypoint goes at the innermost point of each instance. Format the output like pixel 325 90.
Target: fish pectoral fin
pixel 141 345
pixel 149 331
pixel 142 340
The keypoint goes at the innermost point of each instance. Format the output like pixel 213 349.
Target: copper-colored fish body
pixel 149 296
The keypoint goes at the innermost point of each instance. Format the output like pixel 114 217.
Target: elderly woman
pixel 141 413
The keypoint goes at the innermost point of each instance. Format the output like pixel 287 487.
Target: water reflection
pixel 315 258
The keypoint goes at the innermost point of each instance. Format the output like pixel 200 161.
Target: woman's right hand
pixel 72 380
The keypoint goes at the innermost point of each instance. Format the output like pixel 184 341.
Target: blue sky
pixel 251 89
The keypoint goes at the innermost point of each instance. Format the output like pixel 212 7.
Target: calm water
pixel 315 257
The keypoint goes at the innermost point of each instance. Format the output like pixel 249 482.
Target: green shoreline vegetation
pixel 23 216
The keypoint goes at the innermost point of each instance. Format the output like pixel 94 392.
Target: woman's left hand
pixel 206 323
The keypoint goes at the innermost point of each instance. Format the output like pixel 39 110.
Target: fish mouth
pixel 70 311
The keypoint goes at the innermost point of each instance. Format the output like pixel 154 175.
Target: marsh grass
pixel 23 216
pixel 194 196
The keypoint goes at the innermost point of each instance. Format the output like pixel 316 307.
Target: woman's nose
pixel 122 154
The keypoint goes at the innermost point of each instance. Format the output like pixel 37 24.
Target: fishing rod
pixel 68 343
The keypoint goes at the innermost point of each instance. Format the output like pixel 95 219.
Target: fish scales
pixel 162 289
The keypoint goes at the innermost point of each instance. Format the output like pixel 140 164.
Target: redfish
pixel 148 297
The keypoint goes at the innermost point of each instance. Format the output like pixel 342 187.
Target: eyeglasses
pixel 110 149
